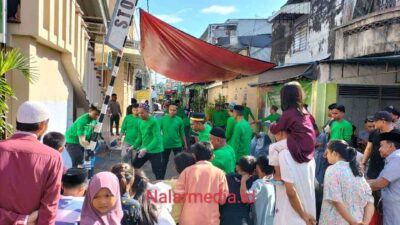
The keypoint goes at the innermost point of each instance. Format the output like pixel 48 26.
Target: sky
pixel 193 16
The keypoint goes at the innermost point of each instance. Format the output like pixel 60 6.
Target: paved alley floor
pixel 106 159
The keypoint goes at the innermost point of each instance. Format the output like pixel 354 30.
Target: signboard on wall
pixel 143 95
pixel 120 24
pixel 3 20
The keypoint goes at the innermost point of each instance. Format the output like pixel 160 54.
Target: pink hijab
pixel 89 215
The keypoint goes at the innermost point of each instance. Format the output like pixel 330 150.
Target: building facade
pixel 249 37
pixel 64 41
pixel 351 47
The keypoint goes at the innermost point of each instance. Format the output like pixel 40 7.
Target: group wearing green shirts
pixel 204 135
pixel 225 159
pixel 247 113
pixel 341 130
pixel 173 134
pixel 272 118
pixel 241 139
pixel 149 143
pixel 219 117
pixel 129 129
pixel 230 126
pixel 149 136
pixel 200 128
pixel 89 129
pixel 78 128
pixel 78 135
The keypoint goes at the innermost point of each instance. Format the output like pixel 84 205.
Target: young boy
pixel 262 193
pixel 57 141
pixel 74 183
pixel 237 212
pixel 274 150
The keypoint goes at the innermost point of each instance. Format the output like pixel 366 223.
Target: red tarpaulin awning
pixel 182 57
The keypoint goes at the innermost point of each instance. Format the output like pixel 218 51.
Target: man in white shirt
pixel 295 199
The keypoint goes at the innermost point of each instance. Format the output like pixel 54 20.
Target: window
pixel 14 11
pixel 300 38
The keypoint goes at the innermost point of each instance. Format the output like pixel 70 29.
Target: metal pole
pixel 151 93
pixel 97 130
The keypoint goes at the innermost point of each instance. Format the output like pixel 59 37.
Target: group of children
pixel 120 196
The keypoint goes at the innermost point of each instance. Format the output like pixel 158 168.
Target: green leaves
pixel 12 60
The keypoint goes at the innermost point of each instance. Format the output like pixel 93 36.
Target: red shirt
pixel 30 179
pixel 301 139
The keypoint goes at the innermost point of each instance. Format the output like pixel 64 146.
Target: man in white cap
pixel 30 172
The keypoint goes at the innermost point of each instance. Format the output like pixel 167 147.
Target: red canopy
pixel 179 56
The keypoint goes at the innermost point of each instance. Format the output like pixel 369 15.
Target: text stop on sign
pixel 120 23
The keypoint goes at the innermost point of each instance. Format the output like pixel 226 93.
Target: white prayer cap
pixel 32 112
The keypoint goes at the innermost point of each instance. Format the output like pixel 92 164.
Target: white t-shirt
pixel 302 176
pixel 274 150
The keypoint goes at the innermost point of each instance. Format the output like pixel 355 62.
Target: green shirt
pixel 225 159
pixel 229 128
pixel 219 118
pixel 341 130
pixel 149 136
pixel 78 128
pixel 272 117
pixel 89 129
pixel 241 139
pixel 246 113
pixel 130 127
pixel 204 136
pixel 172 131
pixel 181 113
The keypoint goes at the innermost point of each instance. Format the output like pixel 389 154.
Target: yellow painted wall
pixel 51 86
pixel 237 91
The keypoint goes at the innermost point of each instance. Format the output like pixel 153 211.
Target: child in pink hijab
pixel 102 205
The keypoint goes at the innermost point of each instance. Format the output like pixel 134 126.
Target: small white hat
pixel 32 112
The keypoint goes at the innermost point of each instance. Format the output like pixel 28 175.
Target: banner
pixel 273 97
pixel 179 56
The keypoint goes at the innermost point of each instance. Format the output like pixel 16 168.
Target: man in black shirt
pixel 383 124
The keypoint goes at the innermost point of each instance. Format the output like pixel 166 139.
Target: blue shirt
pixel 391 193
pixel 320 162
pixel 69 210
pixel 66 158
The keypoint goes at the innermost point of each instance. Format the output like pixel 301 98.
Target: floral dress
pixel 340 185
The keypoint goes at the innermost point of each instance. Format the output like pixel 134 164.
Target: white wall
pixel 247 27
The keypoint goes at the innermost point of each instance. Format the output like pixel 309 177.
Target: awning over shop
pixel 179 56
pixel 380 60
pixel 288 72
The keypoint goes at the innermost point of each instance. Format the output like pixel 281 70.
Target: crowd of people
pixel 332 175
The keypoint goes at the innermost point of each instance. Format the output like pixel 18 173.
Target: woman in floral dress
pixel 347 195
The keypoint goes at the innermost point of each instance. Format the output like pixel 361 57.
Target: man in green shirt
pixel 231 122
pixel 247 112
pixel 129 129
pixel 219 116
pixel 340 129
pixel 272 117
pixel 173 134
pixel 149 143
pixel 76 136
pixel 224 156
pixel 241 139
pixel 200 127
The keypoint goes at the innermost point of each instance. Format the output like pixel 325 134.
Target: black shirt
pixel 376 162
pixel 236 213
